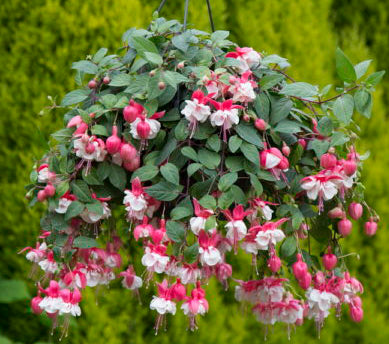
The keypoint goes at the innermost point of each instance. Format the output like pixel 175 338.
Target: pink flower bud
pixel 128 152
pixel 132 165
pixel 336 213
pixel 356 314
pixel 305 281
pixel 302 143
pixel 274 263
pixel 356 302
pixel 92 84
pixel 349 167
pixel 49 190
pixel 299 268
pixel 41 196
pixel 328 161
pixel 285 149
pixel 370 227
pixel 113 142
pixel 329 260
pixel 344 227
pixel 143 129
pixel 178 291
pixel 284 164
pixel 260 124
pixel 355 210
pixel 106 80
pixel 161 85
pixel 181 65
pixel 132 111
pixel 35 305
pixel 246 118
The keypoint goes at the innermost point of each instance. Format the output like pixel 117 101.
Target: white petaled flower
pixel 243 92
pixel 162 305
pixel 236 228
pixel 63 205
pixel 320 302
pixel 195 111
pixel 70 308
pixel 93 278
pixel 136 283
pixel 155 126
pixel 51 304
pixel 210 256
pixel 225 118
pixel 271 294
pixel 91 217
pixel 89 148
pixel 197 224
pixel 48 265
pixel 189 275
pixel 43 175
pixel 136 205
pixel 320 186
pixel 154 261
pixel 265 238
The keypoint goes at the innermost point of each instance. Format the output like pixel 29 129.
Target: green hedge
pixel 38 41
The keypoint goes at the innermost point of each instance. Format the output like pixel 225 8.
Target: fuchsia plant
pixel 230 156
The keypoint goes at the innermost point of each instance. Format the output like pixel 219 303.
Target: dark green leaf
pixel 85 242
pixel 191 253
pixel 248 133
pixel 250 152
pixel 179 213
pixel 193 168
pixel 189 152
pixel 164 191
pixel 175 231
pixel 86 67
pixel 118 177
pixel 81 190
pixel 13 290
pixel 75 208
pixel 270 80
pixel 75 97
pixel 227 180
pixel 344 67
pixel 143 45
pixel 234 143
pixel 319 147
pixel 288 247
pixel 363 102
pixel 121 79
pixel 153 58
pixel 209 159
pixel 280 109
pixel 300 89
pixel 145 173
pixel 170 173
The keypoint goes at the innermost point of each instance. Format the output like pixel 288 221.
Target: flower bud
pixel 260 124
pixel 113 142
pixel 319 279
pixel 284 164
pixel 35 305
pixel 299 268
pixel 356 314
pixel 336 213
pixel 152 73
pixel 161 85
pixel 274 263
pixel 246 117
pixel 131 112
pixel 106 80
pixel 305 281
pixel 302 143
pixel 178 290
pixel 143 129
pixel 344 227
pixel 285 149
pixel 181 65
pixel 49 190
pixel 329 260
pixel 41 196
pixel 132 165
pixel 349 167
pixel 127 152
pixel 328 161
pixel 370 227
pixel 355 210
pixel 92 84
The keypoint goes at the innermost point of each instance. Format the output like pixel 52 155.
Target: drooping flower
pixel 144 128
pixel 135 201
pixel 269 234
pixel 247 57
pixel 197 223
pixel 92 216
pixel 195 304
pixel 209 254
pixel 236 228
pixel 130 279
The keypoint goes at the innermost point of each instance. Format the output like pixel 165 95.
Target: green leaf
pixel 248 133
pixel 99 130
pixel 13 290
pixel 75 208
pixel 256 183
pixel 143 45
pixel 85 242
pixel 164 191
pixel 288 247
pixel 81 190
pixel 145 173
pixel 96 207
pixel 99 55
pixel 219 35
pixel 208 202
pixel 287 126
pixel 339 139
pixel 361 68
pixel 174 78
pixel 227 180
pixel 182 41
pixel 343 108
pixel 319 147
pixel 179 213
pixel 344 67
pixel 62 188
pixel 200 189
pixel 209 159
pixel 170 173
pixel 214 143
pixel 270 80
pixel 103 170
pixel 175 231
pixel 191 253
pixel 375 78
pixel 85 66
pixel 210 223
pixel 189 152
pixel 262 106
pixel 169 147
pixel 153 58
pixel 121 79
pixel 75 97
pixel 118 177
pixel 250 152
pixel 363 102
pixel 280 109
pixel 193 168
pixel 109 100
pixel 181 130
pixel 300 89
pixel 63 135
pixel 234 163
pixel 234 143
pixel 325 126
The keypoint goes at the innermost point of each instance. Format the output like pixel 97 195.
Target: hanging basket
pixel 189 150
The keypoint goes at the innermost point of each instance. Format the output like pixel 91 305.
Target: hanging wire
pixel 210 16
pixel 186 13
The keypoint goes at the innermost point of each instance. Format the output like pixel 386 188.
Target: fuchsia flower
pixel 272 159
pixel 135 201
pixel 36 254
pixel 64 202
pixel 155 258
pixel 70 301
pixel 226 115
pixel 196 110
pixel 209 254
pixel 197 223
pixel 195 304
pixel 52 302
pixel 81 126
pixel 143 230
pixel 262 206
pixel 49 264
pixel 163 303
pixel 242 89
pixel 44 174
pixel 90 148
pixel 132 111
pixel 130 279
pixel 92 217
pixel 144 128
pixel 189 273
pixel 236 228
pixel 247 57
pixel 212 84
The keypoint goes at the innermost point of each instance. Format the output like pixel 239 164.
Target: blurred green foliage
pixel 39 39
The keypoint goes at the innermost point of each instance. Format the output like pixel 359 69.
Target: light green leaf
pixel 361 68
pixel 209 159
pixel 153 58
pixel 189 152
pixel 375 78
pixel 343 108
pixel 344 67
pixel 234 143
pixel 250 152
pixel 99 130
pixel 85 242
pixel 86 67
pixel 191 253
pixel 145 173
pixel 75 97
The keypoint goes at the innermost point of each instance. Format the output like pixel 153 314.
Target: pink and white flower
pixel 90 148
pixel 247 57
pixel 269 234
pixel 163 303
pixel 155 258
pixel 92 217
pixel 209 254
pixel 259 205
pixel 52 302
pixel 189 273
pixel 130 279
pixel 70 300
pixel 135 201
pixel 236 228
pixel 320 303
pixel 49 264
pixel 242 89
pixel 197 223
pixel 144 128
pixel 64 202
